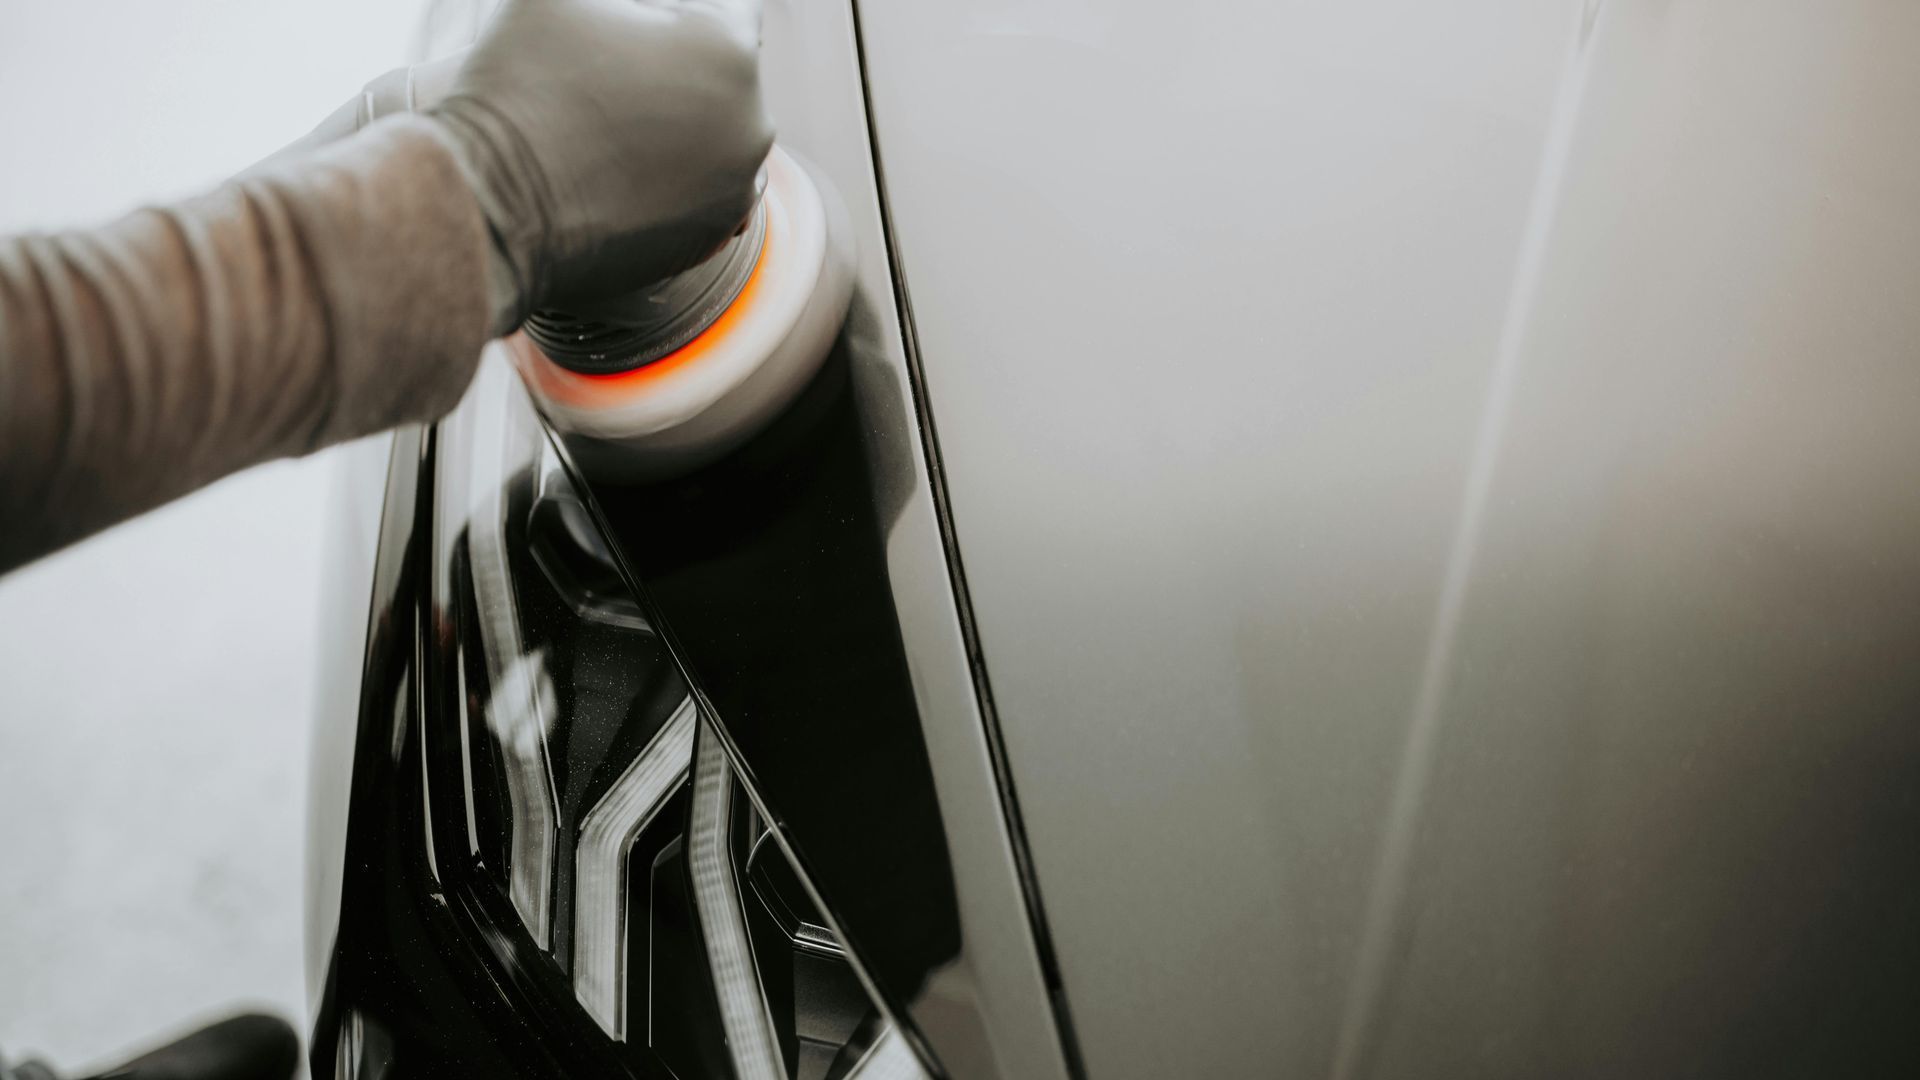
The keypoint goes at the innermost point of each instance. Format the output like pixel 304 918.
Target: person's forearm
pixel 325 298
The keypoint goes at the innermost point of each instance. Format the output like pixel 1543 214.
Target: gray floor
pixel 155 684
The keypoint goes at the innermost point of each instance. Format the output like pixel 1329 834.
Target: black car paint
pixel 766 574
pixel 412 985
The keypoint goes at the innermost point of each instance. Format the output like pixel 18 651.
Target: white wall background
pixel 156 682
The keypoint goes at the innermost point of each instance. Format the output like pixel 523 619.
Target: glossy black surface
pixel 682 1029
pixel 767 573
pixel 430 974
pixel 604 681
pixel 589 680
pixel 410 988
pixel 813 994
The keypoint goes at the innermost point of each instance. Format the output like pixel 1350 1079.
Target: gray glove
pixel 611 143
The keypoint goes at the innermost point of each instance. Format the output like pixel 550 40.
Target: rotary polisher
pixel 662 381
pixel 671 378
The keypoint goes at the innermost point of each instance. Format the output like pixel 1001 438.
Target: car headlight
pixel 586 818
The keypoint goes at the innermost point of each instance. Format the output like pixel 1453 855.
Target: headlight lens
pixel 587 815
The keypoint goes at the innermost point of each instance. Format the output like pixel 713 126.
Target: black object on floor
pixel 251 1046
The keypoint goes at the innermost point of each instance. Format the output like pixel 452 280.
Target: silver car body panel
pixel 1435 484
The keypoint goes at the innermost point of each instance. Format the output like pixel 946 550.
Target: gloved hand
pixel 611 143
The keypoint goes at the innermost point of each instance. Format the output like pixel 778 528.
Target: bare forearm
pixel 325 298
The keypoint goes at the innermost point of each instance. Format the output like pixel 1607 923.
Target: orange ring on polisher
pixel 583 389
